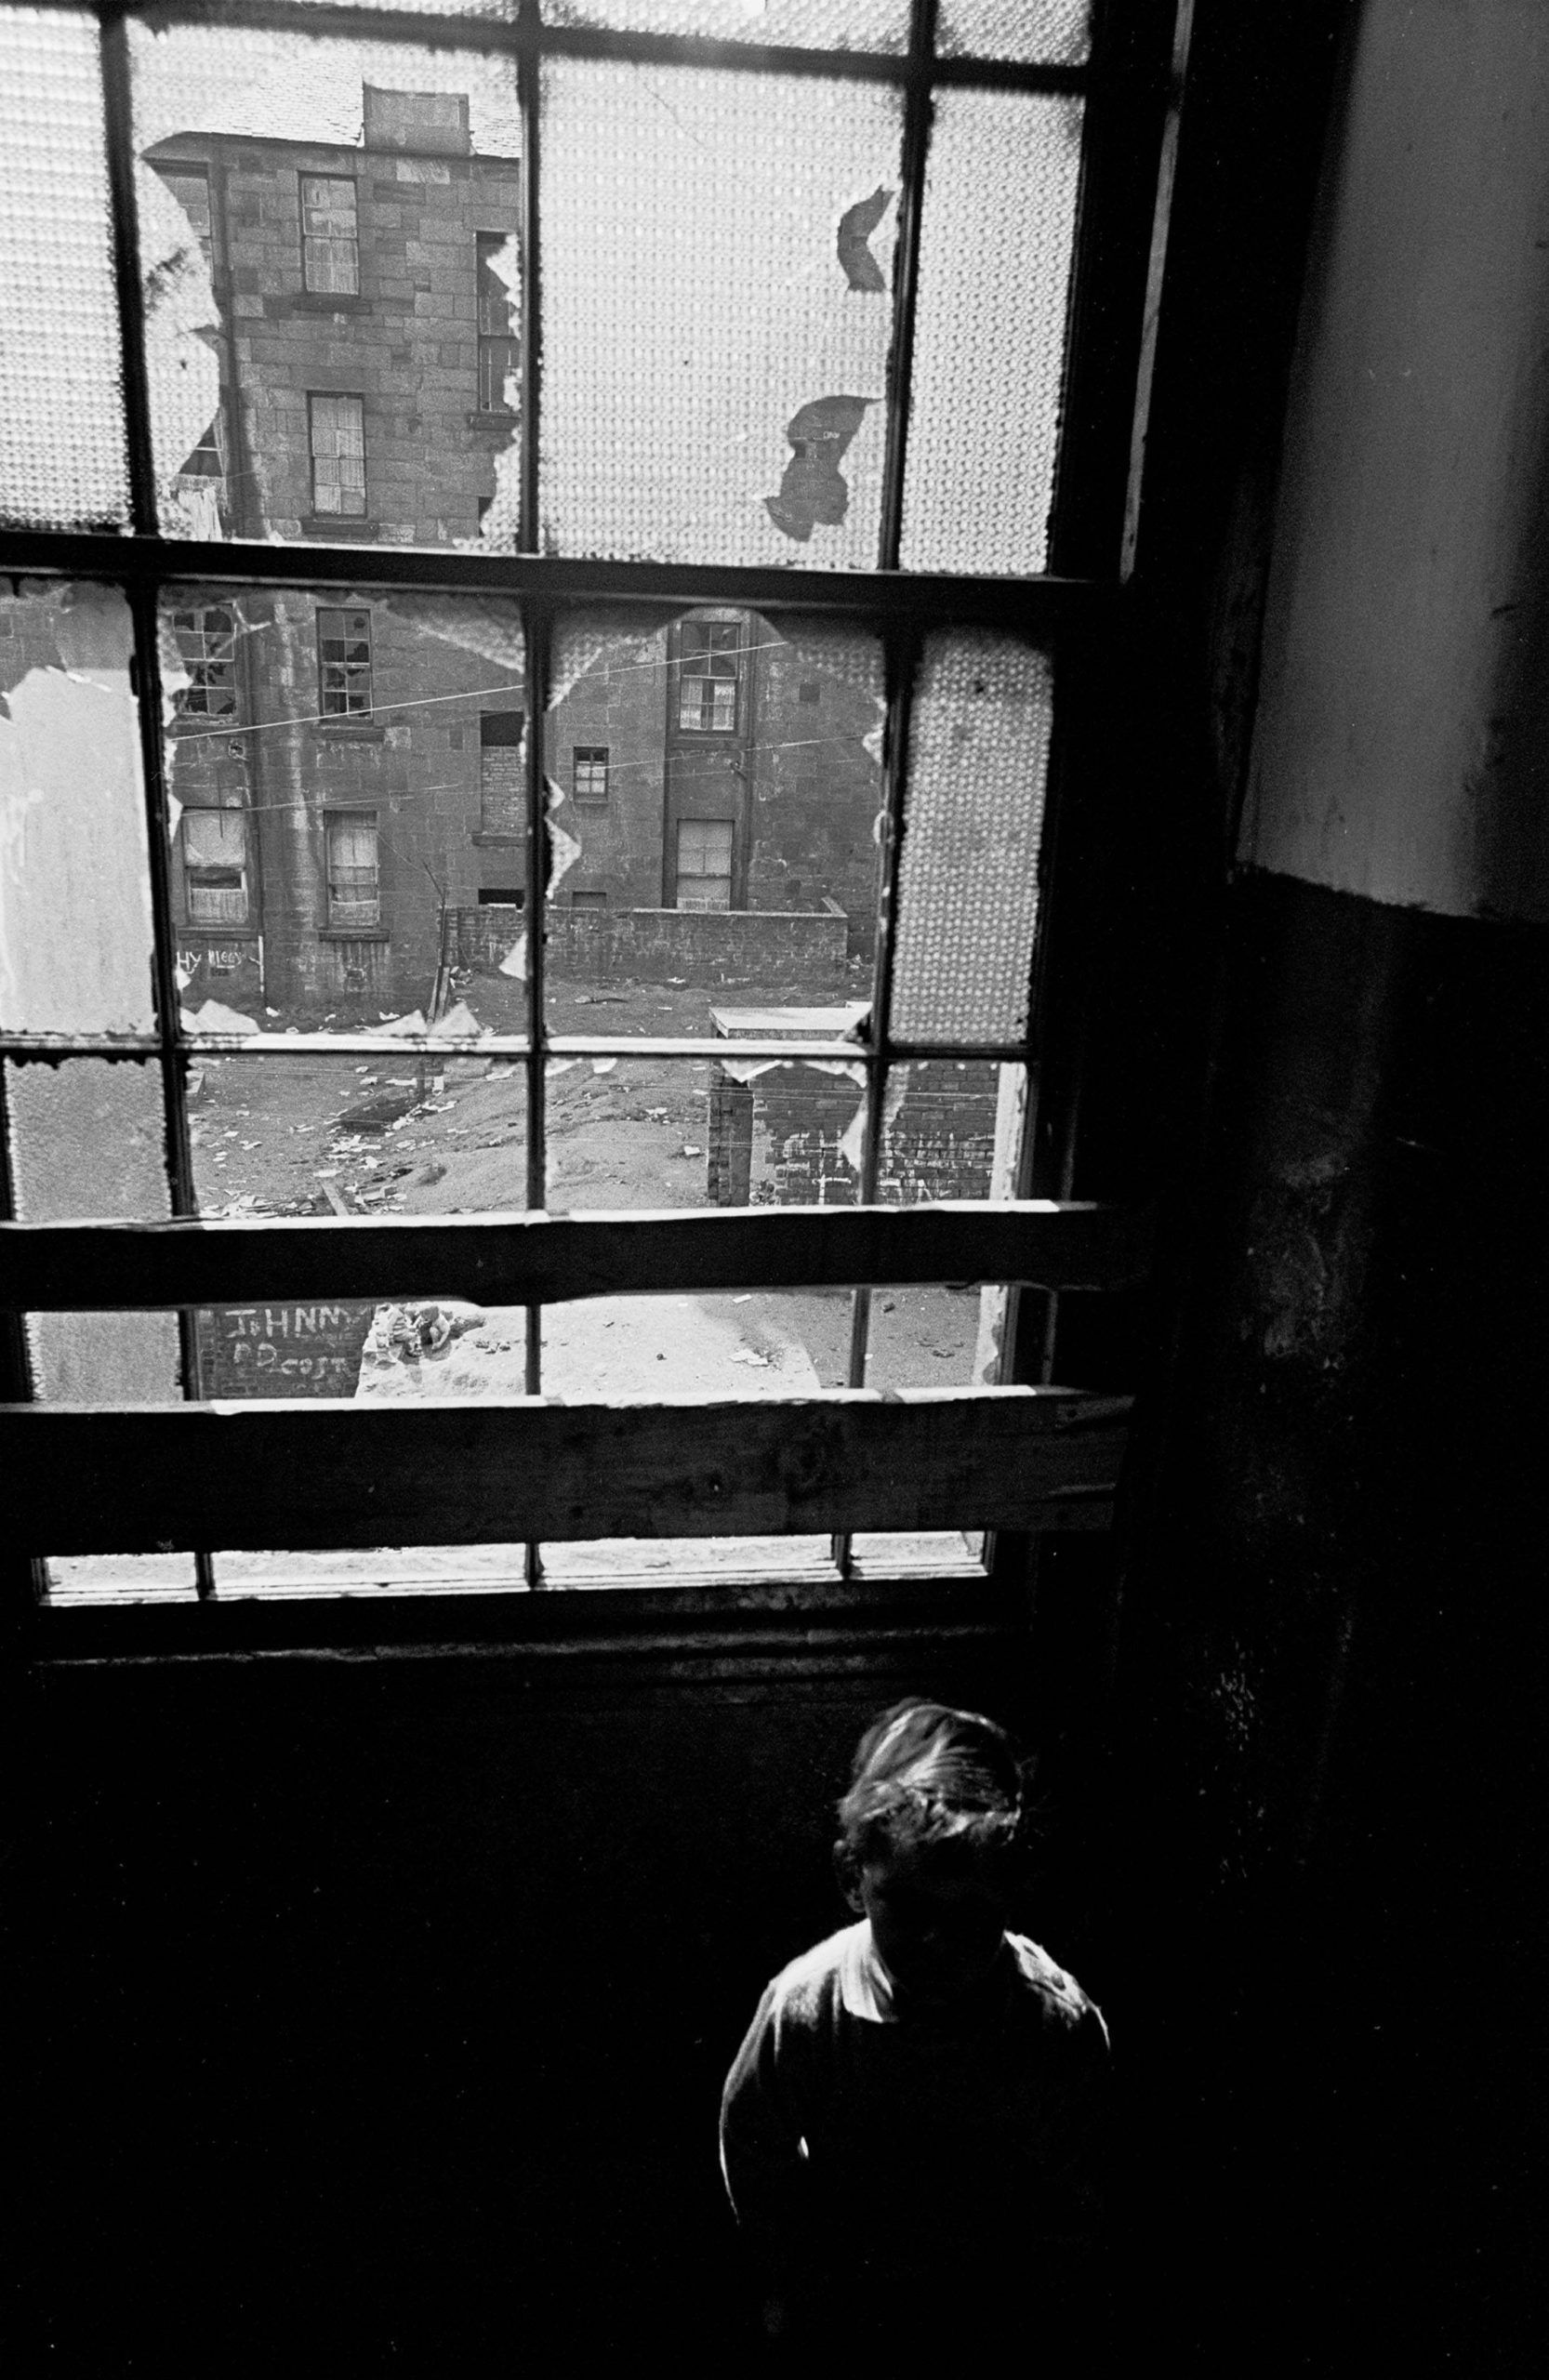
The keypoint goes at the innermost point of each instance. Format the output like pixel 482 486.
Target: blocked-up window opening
pixel 354 893
pixel 502 773
pixel 590 772
pixel 343 663
pixel 337 431
pixel 330 235
pixel 497 347
pixel 588 900
pixel 215 866
pixel 704 864
pixel 709 666
pixel 206 640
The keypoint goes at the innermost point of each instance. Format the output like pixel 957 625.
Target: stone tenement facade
pixel 349 772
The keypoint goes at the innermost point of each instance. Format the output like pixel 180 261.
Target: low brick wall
pixel 776 1141
pixel 707 948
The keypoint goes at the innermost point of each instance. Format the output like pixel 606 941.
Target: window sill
pixel 348 731
pixel 353 933
pixel 322 301
pixel 505 420
pixel 499 842
pixel 334 525
pixel 190 931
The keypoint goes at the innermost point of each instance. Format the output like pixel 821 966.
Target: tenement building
pixel 349 772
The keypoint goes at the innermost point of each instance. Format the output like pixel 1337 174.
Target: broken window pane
pixel 337 770
pixel 61 429
pixel 315 219
pixel 717 301
pixel 86 1140
pixel 806 24
pixel 714 784
pixel 968 878
pixel 1052 32
pixel 75 938
pixel 996 243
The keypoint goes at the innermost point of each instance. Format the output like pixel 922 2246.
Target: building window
pixel 502 786
pixel 330 236
pixel 588 765
pixel 497 347
pixel 709 661
pixel 206 639
pixel 354 890
pixel 704 863
pixel 190 186
pixel 343 663
pixel 215 866
pixel 337 428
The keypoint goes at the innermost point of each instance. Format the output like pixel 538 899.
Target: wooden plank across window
pixel 314 1474
pixel 532 1259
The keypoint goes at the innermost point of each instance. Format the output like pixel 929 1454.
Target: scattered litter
pixel 398 1082
pixel 460 1024
pixel 657 1115
pixel 692 1148
pixel 326 1174
pixel 271 1011
pixel 678 981
pixel 742 1299
pixel 413 1022
pixel 604 1066
pixel 750 1356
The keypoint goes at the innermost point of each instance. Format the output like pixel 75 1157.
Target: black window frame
pixel 1131 86
pixel 349 713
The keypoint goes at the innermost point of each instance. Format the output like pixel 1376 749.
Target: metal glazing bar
pixel 530 94
pixel 911 203
pixel 538 636
pixel 1043 608
pixel 118 124
pixel 902 658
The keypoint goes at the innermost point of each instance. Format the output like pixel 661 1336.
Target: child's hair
pixel 928 1777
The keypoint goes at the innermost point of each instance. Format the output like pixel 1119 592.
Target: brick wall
pixel 776 1141
pixel 713 948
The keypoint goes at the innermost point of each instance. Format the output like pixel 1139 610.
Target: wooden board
pixel 537 1259
pixel 302 1475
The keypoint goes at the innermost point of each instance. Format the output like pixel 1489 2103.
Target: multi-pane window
pixel 502 783
pixel 354 886
pixel 497 347
pixel 336 429
pixel 330 235
pixel 215 866
pixel 589 778
pixel 206 640
pixel 709 660
pixel 704 863
pixel 343 662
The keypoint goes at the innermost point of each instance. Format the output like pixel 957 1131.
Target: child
pixel 911 2134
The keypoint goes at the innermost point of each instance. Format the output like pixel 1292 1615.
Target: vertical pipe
pixel 530 95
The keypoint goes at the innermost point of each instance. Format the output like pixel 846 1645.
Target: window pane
pixel 86 1140
pixel 75 942
pixel 716 313
pixel 996 243
pixel 735 866
pixel 1046 32
pixel 968 873
pixel 806 24
pixel 62 436
pixel 351 760
pixel 304 207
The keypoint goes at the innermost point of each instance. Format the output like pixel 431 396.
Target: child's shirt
pixel 868 2143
